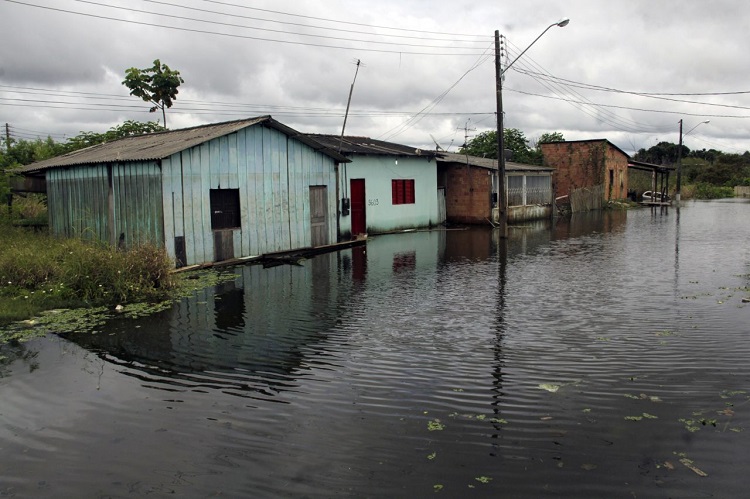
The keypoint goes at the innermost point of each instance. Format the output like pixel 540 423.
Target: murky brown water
pixel 605 356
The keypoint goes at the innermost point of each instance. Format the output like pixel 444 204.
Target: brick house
pixel 596 166
pixel 470 187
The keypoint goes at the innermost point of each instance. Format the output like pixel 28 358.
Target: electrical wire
pixel 248 37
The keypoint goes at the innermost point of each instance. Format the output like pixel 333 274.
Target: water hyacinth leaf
pixel 633 418
pixel 437 487
pixel 432 456
pixel 549 387
pixel 435 425
pixel 483 479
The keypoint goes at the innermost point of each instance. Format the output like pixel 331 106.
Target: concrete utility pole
pixel 502 203
pixel 7 137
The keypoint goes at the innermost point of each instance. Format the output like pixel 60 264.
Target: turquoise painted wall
pixel 78 202
pixel 381 214
pixel 273 174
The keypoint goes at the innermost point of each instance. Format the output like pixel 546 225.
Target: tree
pixel 549 137
pixel 127 129
pixel 485 145
pixel 157 85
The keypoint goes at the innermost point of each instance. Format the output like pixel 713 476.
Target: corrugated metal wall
pixel 79 203
pixel 273 174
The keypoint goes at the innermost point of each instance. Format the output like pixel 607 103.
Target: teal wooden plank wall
pixel 78 202
pixel 273 174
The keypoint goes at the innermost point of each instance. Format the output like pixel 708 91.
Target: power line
pixel 358 31
pixel 232 25
pixel 245 37
pixel 341 22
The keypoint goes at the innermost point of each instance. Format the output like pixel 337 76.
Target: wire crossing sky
pixel 628 72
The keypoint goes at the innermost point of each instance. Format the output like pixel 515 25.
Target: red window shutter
pixel 409 194
pixel 394 191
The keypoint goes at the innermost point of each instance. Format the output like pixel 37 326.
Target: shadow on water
pixel 248 335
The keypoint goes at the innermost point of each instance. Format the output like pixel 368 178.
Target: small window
pixel 225 209
pixel 402 191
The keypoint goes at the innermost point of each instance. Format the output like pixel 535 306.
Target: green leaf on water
pixel 633 418
pixel 432 456
pixel 437 487
pixel 499 421
pixel 483 479
pixel 435 425
pixel 549 387
pixel 649 416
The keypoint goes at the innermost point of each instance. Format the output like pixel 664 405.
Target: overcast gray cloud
pixel 428 66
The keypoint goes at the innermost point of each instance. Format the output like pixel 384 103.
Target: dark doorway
pixel 359 221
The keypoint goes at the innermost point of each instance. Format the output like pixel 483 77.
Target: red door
pixel 359 222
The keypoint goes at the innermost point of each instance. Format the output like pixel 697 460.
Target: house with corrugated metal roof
pixel 470 184
pixel 207 194
pixel 386 187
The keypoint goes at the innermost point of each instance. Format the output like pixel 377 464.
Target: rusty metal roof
pixel 490 163
pixel 160 145
pixel 365 145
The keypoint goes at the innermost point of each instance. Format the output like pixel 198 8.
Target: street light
pixel 502 201
pixel 679 159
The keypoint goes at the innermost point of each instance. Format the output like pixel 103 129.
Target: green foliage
pixel 129 128
pixel 157 85
pixel 485 145
pixel 549 137
pixel 663 153
pixel 38 272
pixel 708 191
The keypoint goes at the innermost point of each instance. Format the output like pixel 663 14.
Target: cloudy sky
pixel 624 70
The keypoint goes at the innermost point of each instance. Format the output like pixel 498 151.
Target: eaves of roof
pixel 160 145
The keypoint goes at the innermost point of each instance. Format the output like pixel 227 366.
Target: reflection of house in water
pixel 248 335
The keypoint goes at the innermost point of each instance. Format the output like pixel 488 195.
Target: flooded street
pixel 604 356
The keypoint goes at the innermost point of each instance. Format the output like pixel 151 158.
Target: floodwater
pixel 602 356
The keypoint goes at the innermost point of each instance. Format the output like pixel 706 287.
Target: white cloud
pixel 634 45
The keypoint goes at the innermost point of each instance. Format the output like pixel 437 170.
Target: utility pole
pixel 7 137
pixel 679 169
pixel 348 102
pixel 502 205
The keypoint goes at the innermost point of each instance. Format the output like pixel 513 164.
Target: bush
pixel 708 191
pixel 38 271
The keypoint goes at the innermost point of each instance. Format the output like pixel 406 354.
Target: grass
pixel 39 272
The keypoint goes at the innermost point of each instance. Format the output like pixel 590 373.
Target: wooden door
pixel 319 215
pixel 359 221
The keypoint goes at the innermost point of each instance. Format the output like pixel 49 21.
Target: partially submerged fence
pixel 587 199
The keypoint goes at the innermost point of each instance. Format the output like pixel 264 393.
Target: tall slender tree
pixel 156 85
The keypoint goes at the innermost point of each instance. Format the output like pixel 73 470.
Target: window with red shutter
pixel 402 191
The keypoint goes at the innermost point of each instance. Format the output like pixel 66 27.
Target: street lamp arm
pixel 561 24
pixel 696 126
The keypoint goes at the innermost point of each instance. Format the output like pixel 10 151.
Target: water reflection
pixel 564 360
pixel 250 334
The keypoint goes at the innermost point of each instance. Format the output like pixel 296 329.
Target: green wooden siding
pixel 80 205
pixel 273 174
